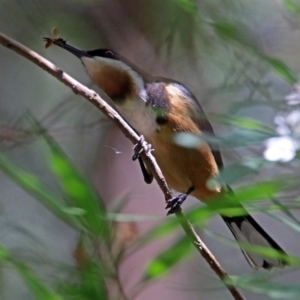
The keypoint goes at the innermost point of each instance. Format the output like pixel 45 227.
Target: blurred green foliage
pixel 238 59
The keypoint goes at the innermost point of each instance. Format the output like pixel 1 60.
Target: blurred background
pixel 239 58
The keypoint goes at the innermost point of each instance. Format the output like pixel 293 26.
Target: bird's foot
pixel 139 148
pixel 175 203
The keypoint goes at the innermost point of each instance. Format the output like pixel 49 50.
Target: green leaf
pixel 4 254
pixel 161 230
pixel 283 220
pixel 187 5
pixel 244 123
pixel 260 191
pixel 235 32
pixel 36 188
pixel 38 289
pixel 233 139
pixel 235 172
pixel 164 229
pixel 227 30
pixel 274 290
pixel 163 263
pixel 243 139
pixel 246 131
pixel 92 282
pixel 228 204
pixel 282 70
pixel 74 211
pixel 238 34
pixel 264 251
pixel 80 194
pixel 292 6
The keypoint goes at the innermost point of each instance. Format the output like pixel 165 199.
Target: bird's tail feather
pixel 247 231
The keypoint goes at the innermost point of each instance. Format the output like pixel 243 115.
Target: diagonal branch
pixel 147 157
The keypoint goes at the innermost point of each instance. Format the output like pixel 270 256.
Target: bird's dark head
pixel 114 74
pixel 104 53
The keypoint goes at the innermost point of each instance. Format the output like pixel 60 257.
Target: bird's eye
pixel 109 54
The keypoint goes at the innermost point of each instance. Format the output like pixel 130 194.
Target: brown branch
pixel 147 157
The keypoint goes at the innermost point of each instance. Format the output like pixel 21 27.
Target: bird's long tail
pixel 247 231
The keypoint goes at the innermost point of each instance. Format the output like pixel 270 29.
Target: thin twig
pixel 147 157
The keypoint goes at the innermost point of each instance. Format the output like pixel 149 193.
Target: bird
pixel 158 108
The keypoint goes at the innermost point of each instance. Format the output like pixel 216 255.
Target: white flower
pixel 280 149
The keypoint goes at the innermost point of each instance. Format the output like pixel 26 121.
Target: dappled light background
pixel 222 51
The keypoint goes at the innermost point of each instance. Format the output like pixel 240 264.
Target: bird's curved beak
pixel 63 44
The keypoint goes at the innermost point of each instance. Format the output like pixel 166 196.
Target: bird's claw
pixel 175 203
pixel 139 148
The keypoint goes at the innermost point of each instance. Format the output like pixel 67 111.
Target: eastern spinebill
pixel 158 108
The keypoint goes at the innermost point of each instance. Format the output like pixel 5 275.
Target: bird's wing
pixel 199 118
